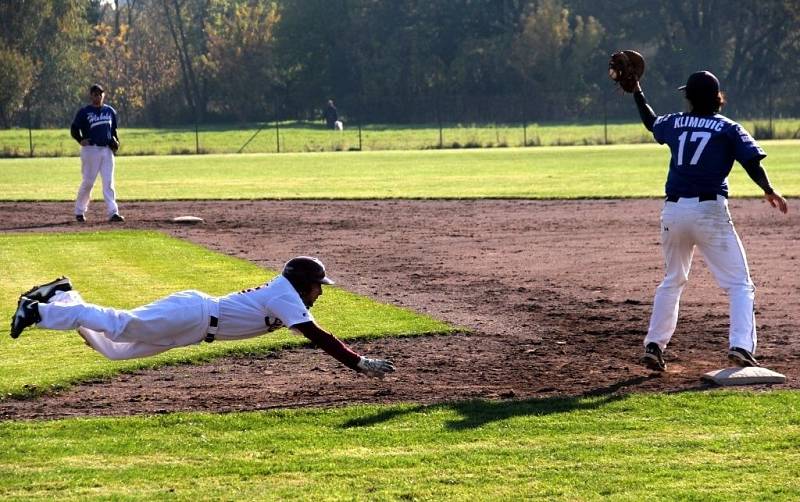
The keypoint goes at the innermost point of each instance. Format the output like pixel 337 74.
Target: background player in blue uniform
pixel 95 128
pixel 704 145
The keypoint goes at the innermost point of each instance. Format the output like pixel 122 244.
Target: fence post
pixel 524 132
pixel 360 147
pixel 604 97
pixel 439 121
pixel 30 132
pixel 494 118
pixel 524 110
pixel 277 128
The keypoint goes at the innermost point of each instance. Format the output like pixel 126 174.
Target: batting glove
pixel 375 368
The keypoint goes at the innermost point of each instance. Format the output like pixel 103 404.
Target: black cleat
pixel 27 314
pixel 116 218
pixel 45 292
pixel 80 218
pixel 653 357
pixel 741 357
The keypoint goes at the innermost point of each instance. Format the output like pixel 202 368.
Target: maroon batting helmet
pixel 306 270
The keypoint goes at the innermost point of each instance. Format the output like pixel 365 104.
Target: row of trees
pixel 171 61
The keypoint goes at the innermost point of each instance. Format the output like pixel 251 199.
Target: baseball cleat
pixel 741 357
pixel 654 358
pixel 116 218
pixel 80 218
pixel 45 292
pixel 27 314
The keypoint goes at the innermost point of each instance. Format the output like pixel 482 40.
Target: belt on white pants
pixel 213 320
pixel 703 197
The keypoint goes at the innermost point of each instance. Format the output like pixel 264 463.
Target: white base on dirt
pixel 188 220
pixel 743 376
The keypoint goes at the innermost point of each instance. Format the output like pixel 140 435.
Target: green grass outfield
pixel 312 137
pixel 548 172
pixel 125 269
pixel 691 446
pixel 687 446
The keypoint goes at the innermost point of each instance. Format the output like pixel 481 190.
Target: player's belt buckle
pixel 213 322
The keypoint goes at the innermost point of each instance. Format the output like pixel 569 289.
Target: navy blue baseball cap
pixel 701 83
pixel 96 88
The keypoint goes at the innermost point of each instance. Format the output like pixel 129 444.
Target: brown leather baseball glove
pixel 114 145
pixel 626 69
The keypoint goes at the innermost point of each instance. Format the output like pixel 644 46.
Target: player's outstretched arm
pixel 376 368
pixel 626 69
pixel 759 176
pixel 646 112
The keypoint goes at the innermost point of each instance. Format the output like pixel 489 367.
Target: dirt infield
pixel 556 296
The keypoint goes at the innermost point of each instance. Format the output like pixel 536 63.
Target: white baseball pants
pixel 708 226
pixel 96 160
pixel 177 320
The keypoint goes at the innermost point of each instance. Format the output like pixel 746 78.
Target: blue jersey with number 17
pixel 703 150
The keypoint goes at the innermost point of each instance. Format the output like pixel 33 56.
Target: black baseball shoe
pixel 45 292
pixel 27 314
pixel 741 357
pixel 654 357
pixel 80 218
pixel 116 218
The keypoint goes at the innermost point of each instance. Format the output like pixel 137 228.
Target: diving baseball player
pixel 191 317
pixel 95 128
pixel 704 145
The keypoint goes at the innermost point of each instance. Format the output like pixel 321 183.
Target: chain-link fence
pixel 392 123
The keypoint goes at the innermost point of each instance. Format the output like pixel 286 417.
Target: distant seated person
pixel 331 115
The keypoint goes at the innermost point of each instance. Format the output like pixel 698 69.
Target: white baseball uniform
pixel 707 225
pixel 96 160
pixel 178 320
pixel 96 125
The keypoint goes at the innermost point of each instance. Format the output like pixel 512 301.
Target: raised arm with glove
pixel 626 69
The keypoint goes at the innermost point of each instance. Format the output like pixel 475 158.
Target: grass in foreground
pixel 313 137
pixel 693 446
pixel 125 269
pixel 553 172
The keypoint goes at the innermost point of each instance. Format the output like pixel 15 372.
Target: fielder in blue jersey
pixel 95 128
pixel 704 146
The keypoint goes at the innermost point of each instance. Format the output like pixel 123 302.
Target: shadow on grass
pixel 477 413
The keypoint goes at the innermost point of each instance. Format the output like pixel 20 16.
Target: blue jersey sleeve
pixel 745 147
pixel 113 123
pixel 80 119
pixel 659 128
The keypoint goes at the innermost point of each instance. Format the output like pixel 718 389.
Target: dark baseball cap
pixel 701 83
pixel 95 88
